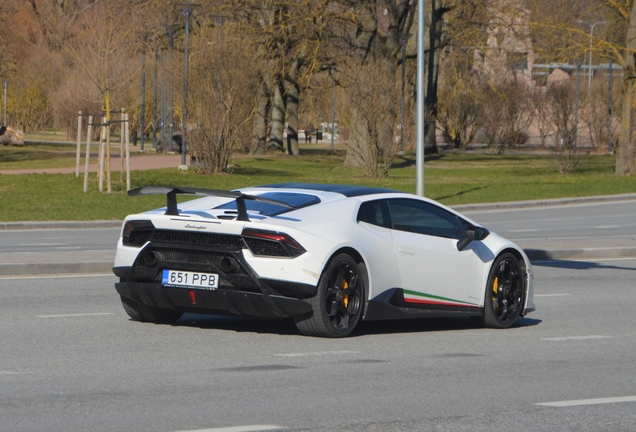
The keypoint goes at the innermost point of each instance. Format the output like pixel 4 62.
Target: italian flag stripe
pixel 423 298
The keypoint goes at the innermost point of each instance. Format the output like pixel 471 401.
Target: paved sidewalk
pixel 138 162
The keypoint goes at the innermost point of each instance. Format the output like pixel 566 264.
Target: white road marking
pixel 319 353
pixel 19 372
pixel 554 238
pixel 40 244
pixel 249 428
pixel 580 402
pixel 552 295
pixel 569 338
pixel 75 315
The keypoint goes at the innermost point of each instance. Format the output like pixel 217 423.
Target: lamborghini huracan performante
pixel 328 256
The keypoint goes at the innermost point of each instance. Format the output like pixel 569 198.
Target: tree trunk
pixel 292 95
pixel 432 42
pixel 626 150
pixel 358 151
pixel 278 116
pixel 259 128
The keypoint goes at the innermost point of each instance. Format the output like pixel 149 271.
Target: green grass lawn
pixel 451 178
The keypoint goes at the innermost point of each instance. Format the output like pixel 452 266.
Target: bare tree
pixel 562 105
pixel 460 104
pixel 374 101
pixel 291 44
pixel 227 93
pixel 101 48
pixel 507 114
pixel 103 45
pixel 564 32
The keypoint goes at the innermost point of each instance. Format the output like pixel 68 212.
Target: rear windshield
pixel 296 200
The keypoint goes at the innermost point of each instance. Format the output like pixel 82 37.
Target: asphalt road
pixel 59 240
pixel 599 222
pixel 596 221
pixel 70 360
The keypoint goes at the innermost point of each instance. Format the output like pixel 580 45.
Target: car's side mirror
pixel 472 233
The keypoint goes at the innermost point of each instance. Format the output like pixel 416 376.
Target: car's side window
pixel 423 218
pixel 376 213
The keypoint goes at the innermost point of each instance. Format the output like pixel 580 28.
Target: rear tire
pixel 505 292
pixel 143 313
pixel 339 302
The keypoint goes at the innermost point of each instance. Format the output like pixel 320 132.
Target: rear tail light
pixel 272 243
pixel 137 232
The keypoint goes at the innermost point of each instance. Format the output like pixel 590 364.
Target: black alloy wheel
pixel 505 292
pixel 338 305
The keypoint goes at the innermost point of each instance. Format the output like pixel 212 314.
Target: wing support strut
pixel 171 197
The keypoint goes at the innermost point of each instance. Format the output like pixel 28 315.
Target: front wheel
pixel 143 313
pixel 505 292
pixel 338 304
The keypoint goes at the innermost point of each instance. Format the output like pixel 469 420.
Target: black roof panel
pixel 346 190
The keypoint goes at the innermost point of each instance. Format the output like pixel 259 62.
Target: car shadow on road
pixel 238 324
pixel 430 325
pixel 579 265
pixel 286 327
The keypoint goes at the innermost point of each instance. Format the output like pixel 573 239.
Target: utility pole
pixel 576 105
pixel 333 112
pixel 171 29
pixel 609 109
pixel 419 156
pixel 154 105
pixel 4 123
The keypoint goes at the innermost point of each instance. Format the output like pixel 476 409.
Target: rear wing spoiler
pixel 171 195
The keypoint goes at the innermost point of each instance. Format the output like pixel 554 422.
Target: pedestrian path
pixel 138 162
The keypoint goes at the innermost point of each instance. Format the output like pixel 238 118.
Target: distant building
pixel 509 50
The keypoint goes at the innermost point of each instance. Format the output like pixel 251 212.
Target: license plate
pixel 186 279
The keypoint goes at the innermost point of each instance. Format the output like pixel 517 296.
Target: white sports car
pixel 328 256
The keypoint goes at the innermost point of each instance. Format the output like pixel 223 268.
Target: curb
pixel 535 255
pixel 511 205
pixel 580 253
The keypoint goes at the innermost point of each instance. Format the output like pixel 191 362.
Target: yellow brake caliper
pixel 345 299
pixel 495 289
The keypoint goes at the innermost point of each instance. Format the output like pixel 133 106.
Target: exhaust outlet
pixel 152 258
pixel 229 265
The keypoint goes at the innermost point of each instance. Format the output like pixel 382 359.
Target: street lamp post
pixel 403 39
pixel 154 104
pixel 143 99
pixel 576 105
pixel 333 111
pixel 171 29
pixel 186 9
pixel 589 71
pixel 4 123
pixel 163 100
pixel 419 154
pixel 609 109
pixel 144 36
